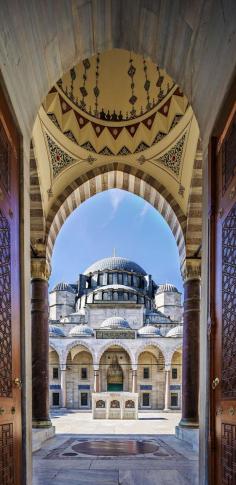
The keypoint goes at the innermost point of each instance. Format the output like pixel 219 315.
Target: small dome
pixel 115 323
pixel 156 317
pixel 149 331
pixel 55 331
pixel 113 263
pixel 81 330
pixel 176 332
pixel 167 287
pixel 63 287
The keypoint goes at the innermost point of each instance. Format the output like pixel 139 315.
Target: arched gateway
pixel 78 32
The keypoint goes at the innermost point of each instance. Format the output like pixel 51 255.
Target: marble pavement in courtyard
pixel 143 452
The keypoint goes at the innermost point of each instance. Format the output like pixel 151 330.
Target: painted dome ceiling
pixel 115 103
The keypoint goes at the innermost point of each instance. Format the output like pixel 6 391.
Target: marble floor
pixel 86 451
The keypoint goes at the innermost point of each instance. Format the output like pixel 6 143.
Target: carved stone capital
pixel 40 268
pixel 191 269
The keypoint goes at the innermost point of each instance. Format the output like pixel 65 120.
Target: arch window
pixel 120 278
pixel 100 279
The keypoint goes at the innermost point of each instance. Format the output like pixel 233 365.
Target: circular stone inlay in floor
pixel 115 448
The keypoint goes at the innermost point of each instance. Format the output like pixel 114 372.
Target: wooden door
pixel 10 350
pixel 223 305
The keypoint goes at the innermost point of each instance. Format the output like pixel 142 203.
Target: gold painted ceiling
pixel 131 112
pixel 116 103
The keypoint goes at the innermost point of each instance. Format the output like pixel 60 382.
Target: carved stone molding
pixel 191 269
pixel 40 268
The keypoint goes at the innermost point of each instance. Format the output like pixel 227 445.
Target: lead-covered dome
pixel 149 331
pixel 115 323
pixel 176 332
pixel 63 287
pixel 55 331
pixel 115 263
pixel 167 287
pixel 81 331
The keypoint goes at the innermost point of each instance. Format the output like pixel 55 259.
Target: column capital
pixel 167 367
pixel 96 368
pixel 191 269
pixel 40 268
pixel 134 368
pixel 62 367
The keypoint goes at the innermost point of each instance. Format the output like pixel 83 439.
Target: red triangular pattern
pixel 64 106
pixel 81 120
pixel 132 129
pixel 149 121
pixel 98 129
pixel 164 110
pixel 53 90
pixel 115 130
pixel 178 92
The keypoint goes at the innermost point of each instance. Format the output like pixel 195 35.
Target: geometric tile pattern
pixel 229 304
pixel 5 309
pixel 172 159
pixel 6 455
pixel 59 159
pixel 228 454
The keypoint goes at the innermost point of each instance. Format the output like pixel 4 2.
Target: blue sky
pixel 120 220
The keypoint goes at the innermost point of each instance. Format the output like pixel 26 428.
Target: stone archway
pixel 123 177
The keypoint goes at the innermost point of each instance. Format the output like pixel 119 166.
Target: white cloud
pixel 144 210
pixel 116 197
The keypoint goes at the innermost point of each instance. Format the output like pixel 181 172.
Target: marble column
pixel 63 386
pixel 134 380
pixel 167 389
pixel 40 343
pixel 96 380
pixel 190 365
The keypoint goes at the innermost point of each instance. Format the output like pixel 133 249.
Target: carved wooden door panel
pixel 223 385
pixel 10 392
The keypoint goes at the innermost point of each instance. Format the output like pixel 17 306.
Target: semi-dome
pixel 115 323
pixel 81 330
pixel 55 331
pixel 149 331
pixel 63 287
pixel 156 317
pixel 175 332
pixel 167 287
pixel 115 263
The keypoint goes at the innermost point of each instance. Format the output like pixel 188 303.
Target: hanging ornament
pixel 147 85
pixel 96 88
pixel 133 98
pixel 83 90
pixel 73 78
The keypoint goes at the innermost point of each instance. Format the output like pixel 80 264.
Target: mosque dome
pixel 81 330
pixel 175 332
pixel 115 263
pixel 115 323
pixel 55 331
pixel 63 287
pixel 149 331
pixel 167 287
